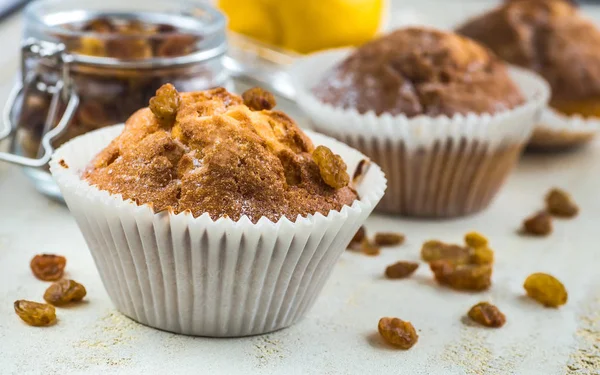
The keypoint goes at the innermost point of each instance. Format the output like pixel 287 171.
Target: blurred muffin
pixel 438 112
pixel 210 214
pixel 552 38
pixel 416 71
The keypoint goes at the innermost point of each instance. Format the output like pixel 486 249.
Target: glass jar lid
pixel 129 34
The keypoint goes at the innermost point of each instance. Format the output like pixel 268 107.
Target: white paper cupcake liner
pixel 436 166
pixel 202 277
pixel 555 130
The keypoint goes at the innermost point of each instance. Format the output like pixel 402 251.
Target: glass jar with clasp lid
pixel 88 64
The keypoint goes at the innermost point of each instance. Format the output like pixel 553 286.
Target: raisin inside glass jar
pixel 116 55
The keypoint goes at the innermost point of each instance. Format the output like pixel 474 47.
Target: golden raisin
pixel 64 292
pixel 388 239
pixel 482 255
pixel 475 240
pixel 471 277
pixel 165 104
pixel 258 99
pixel 539 224
pixel 48 267
pixel 358 238
pixel 546 289
pixel 397 332
pixel 559 203
pixel 332 167
pixel 369 248
pixel 487 314
pixel 436 250
pixel 401 270
pixel 35 314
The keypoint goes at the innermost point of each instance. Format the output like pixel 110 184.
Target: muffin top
pixel 550 37
pixel 420 71
pixel 209 152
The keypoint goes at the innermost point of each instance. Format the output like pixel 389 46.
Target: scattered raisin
pixel 258 99
pixel 63 163
pixel 64 291
pixel 332 167
pixel 539 224
pixel 358 238
pixel 436 250
pixel 559 203
pixel 401 270
pixel 165 104
pixel 482 255
pixel 389 239
pixel 48 267
pixel 35 314
pixel 369 248
pixel 487 314
pixel 472 277
pixel 475 240
pixel 546 289
pixel 397 332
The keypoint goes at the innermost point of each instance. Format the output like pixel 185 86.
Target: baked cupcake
pixel 212 215
pixel 552 38
pixel 443 117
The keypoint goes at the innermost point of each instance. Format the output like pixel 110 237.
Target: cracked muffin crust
pixel 420 71
pixel 552 38
pixel 216 156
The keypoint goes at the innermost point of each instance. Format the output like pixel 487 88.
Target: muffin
pixel 552 38
pixel 442 115
pixel 210 214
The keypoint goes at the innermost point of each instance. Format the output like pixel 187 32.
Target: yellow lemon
pixel 305 25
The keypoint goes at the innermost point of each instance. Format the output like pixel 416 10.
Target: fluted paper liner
pixel 556 130
pixel 202 277
pixel 436 166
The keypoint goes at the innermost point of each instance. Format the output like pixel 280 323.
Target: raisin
pixel 165 104
pixel 64 292
pixel 436 250
pixel 388 239
pixel 539 224
pixel 559 203
pixel 487 314
pixel 48 267
pixel 258 99
pixel 361 170
pixel 35 314
pixel 369 248
pixel 482 255
pixel 398 333
pixel 332 167
pixel 359 236
pixel 546 289
pixel 475 240
pixel 401 270
pixel 471 277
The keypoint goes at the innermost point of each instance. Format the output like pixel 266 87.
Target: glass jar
pixel 87 64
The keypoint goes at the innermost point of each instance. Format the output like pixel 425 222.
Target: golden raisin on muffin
pixel 550 37
pixel 217 156
pixel 420 71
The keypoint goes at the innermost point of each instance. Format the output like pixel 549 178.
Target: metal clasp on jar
pixel 53 55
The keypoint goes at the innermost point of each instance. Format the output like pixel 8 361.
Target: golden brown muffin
pixel 552 38
pixel 215 155
pixel 420 71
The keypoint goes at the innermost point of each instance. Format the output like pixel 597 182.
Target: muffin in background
pixel 552 38
pixel 206 216
pixel 444 117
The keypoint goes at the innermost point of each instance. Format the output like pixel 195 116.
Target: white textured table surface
pixel 339 334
